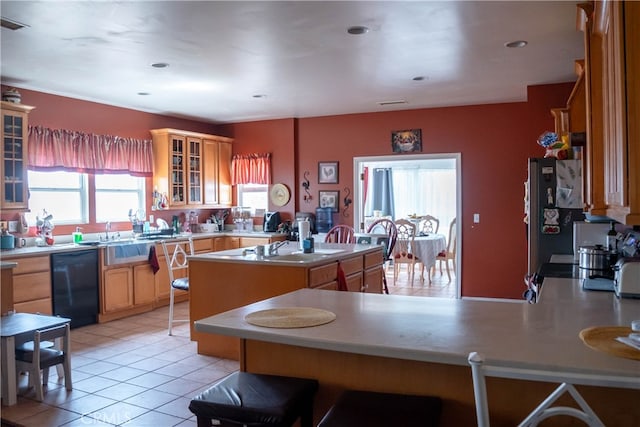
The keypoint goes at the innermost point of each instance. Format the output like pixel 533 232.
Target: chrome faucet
pixel 107 229
pixel 273 247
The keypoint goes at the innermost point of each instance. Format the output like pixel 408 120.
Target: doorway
pixel 419 173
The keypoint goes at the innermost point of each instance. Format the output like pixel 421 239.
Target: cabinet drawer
pixel 373 259
pixel 32 264
pixel 351 265
pixel 331 286
pixel 203 245
pixel 31 286
pixel 354 283
pixel 323 274
pixel 38 306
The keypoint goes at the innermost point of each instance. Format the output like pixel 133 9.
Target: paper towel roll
pixel 304 228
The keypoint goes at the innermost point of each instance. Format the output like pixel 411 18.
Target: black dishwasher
pixel 74 278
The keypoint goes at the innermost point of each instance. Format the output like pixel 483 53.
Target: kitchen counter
pixel 376 339
pixel 69 246
pixel 221 281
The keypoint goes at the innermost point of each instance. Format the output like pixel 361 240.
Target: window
pixel 116 194
pixel 62 194
pixel 65 195
pixel 253 195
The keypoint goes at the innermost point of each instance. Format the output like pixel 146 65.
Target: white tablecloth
pixel 426 248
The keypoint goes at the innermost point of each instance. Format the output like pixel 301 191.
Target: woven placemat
pixel 603 338
pixel 290 317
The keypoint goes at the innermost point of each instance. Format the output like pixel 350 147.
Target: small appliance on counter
pixel 626 282
pixel 271 222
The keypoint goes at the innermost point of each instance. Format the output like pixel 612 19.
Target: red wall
pixel 495 142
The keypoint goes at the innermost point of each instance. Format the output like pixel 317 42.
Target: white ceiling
pixel 297 53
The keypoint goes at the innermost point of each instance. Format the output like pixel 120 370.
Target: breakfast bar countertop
pixel 543 336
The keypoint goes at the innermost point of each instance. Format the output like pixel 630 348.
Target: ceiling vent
pixel 400 101
pixel 11 25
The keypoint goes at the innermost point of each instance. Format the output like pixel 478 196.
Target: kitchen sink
pixel 126 251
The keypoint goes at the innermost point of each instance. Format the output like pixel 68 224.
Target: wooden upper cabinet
pixel 612 186
pixel 188 167
pixel 13 153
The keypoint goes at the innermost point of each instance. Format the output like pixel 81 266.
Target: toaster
pixel 626 282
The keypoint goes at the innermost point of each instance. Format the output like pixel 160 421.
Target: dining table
pixel 427 247
pixel 17 329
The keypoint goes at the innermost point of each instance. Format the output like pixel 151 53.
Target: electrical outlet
pixel 476 218
pixel 151 219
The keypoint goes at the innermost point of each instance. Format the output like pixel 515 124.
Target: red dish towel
pixel 153 259
pixel 342 279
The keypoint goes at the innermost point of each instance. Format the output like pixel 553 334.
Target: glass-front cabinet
pixel 188 168
pixel 14 188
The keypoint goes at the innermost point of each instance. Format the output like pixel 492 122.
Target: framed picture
pixel 327 172
pixel 406 141
pixel 329 199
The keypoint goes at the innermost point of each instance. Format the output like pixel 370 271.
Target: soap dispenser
pixel 77 235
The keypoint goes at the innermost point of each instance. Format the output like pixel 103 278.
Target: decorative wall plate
pixel 279 195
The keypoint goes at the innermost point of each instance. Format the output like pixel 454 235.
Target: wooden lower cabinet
pixel 144 287
pixel 32 285
pixel 117 289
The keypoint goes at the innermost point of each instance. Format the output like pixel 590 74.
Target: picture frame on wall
pixel 327 172
pixel 406 141
pixel 329 199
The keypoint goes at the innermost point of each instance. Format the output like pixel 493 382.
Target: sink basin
pixel 127 251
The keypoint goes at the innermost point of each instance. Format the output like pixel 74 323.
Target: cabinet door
pixel 220 243
pixel 210 172
pixel 354 282
pixel 232 243
pixel 117 289
pixel 224 173
pixel 253 241
pixel 373 280
pixel 144 291
pixel 177 178
pixel 13 153
pixel 194 171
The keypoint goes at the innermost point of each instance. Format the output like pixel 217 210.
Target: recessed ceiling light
pixel 517 43
pixel 418 78
pixel 357 30
pixel 144 93
pixel 259 95
pixel 11 24
pixel 160 65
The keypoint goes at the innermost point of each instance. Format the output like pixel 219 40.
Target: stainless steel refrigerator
pixel 553 201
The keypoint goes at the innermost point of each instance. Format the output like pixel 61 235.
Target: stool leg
pixel 306 417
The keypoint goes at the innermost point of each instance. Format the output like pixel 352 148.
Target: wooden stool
pixel 373 409
pixel 257 400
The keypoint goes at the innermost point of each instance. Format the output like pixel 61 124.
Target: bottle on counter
pixel 612 238
pixel 77 235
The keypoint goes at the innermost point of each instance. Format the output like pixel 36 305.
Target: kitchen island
pixel 224 280
pixel 420 345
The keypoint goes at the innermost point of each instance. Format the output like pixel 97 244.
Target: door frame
pixel 358 208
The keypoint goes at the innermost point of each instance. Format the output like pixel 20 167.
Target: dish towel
pixel 342 279
pixel 153 259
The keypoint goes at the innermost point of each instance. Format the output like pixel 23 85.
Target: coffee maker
pixel 271 222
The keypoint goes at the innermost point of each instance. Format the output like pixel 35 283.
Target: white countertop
pixel 541 336
pixel 290 254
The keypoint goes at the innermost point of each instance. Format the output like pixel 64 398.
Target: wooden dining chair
pixel 341 234
pixel 403 252
pixel 450 252
pixel 177 267
pixel 388 227
pixel 41 358
pixel 428 225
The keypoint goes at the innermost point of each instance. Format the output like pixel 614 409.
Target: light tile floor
pixel 129 372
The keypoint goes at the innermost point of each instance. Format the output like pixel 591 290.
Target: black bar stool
pixel 244 398
pixel 374 409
